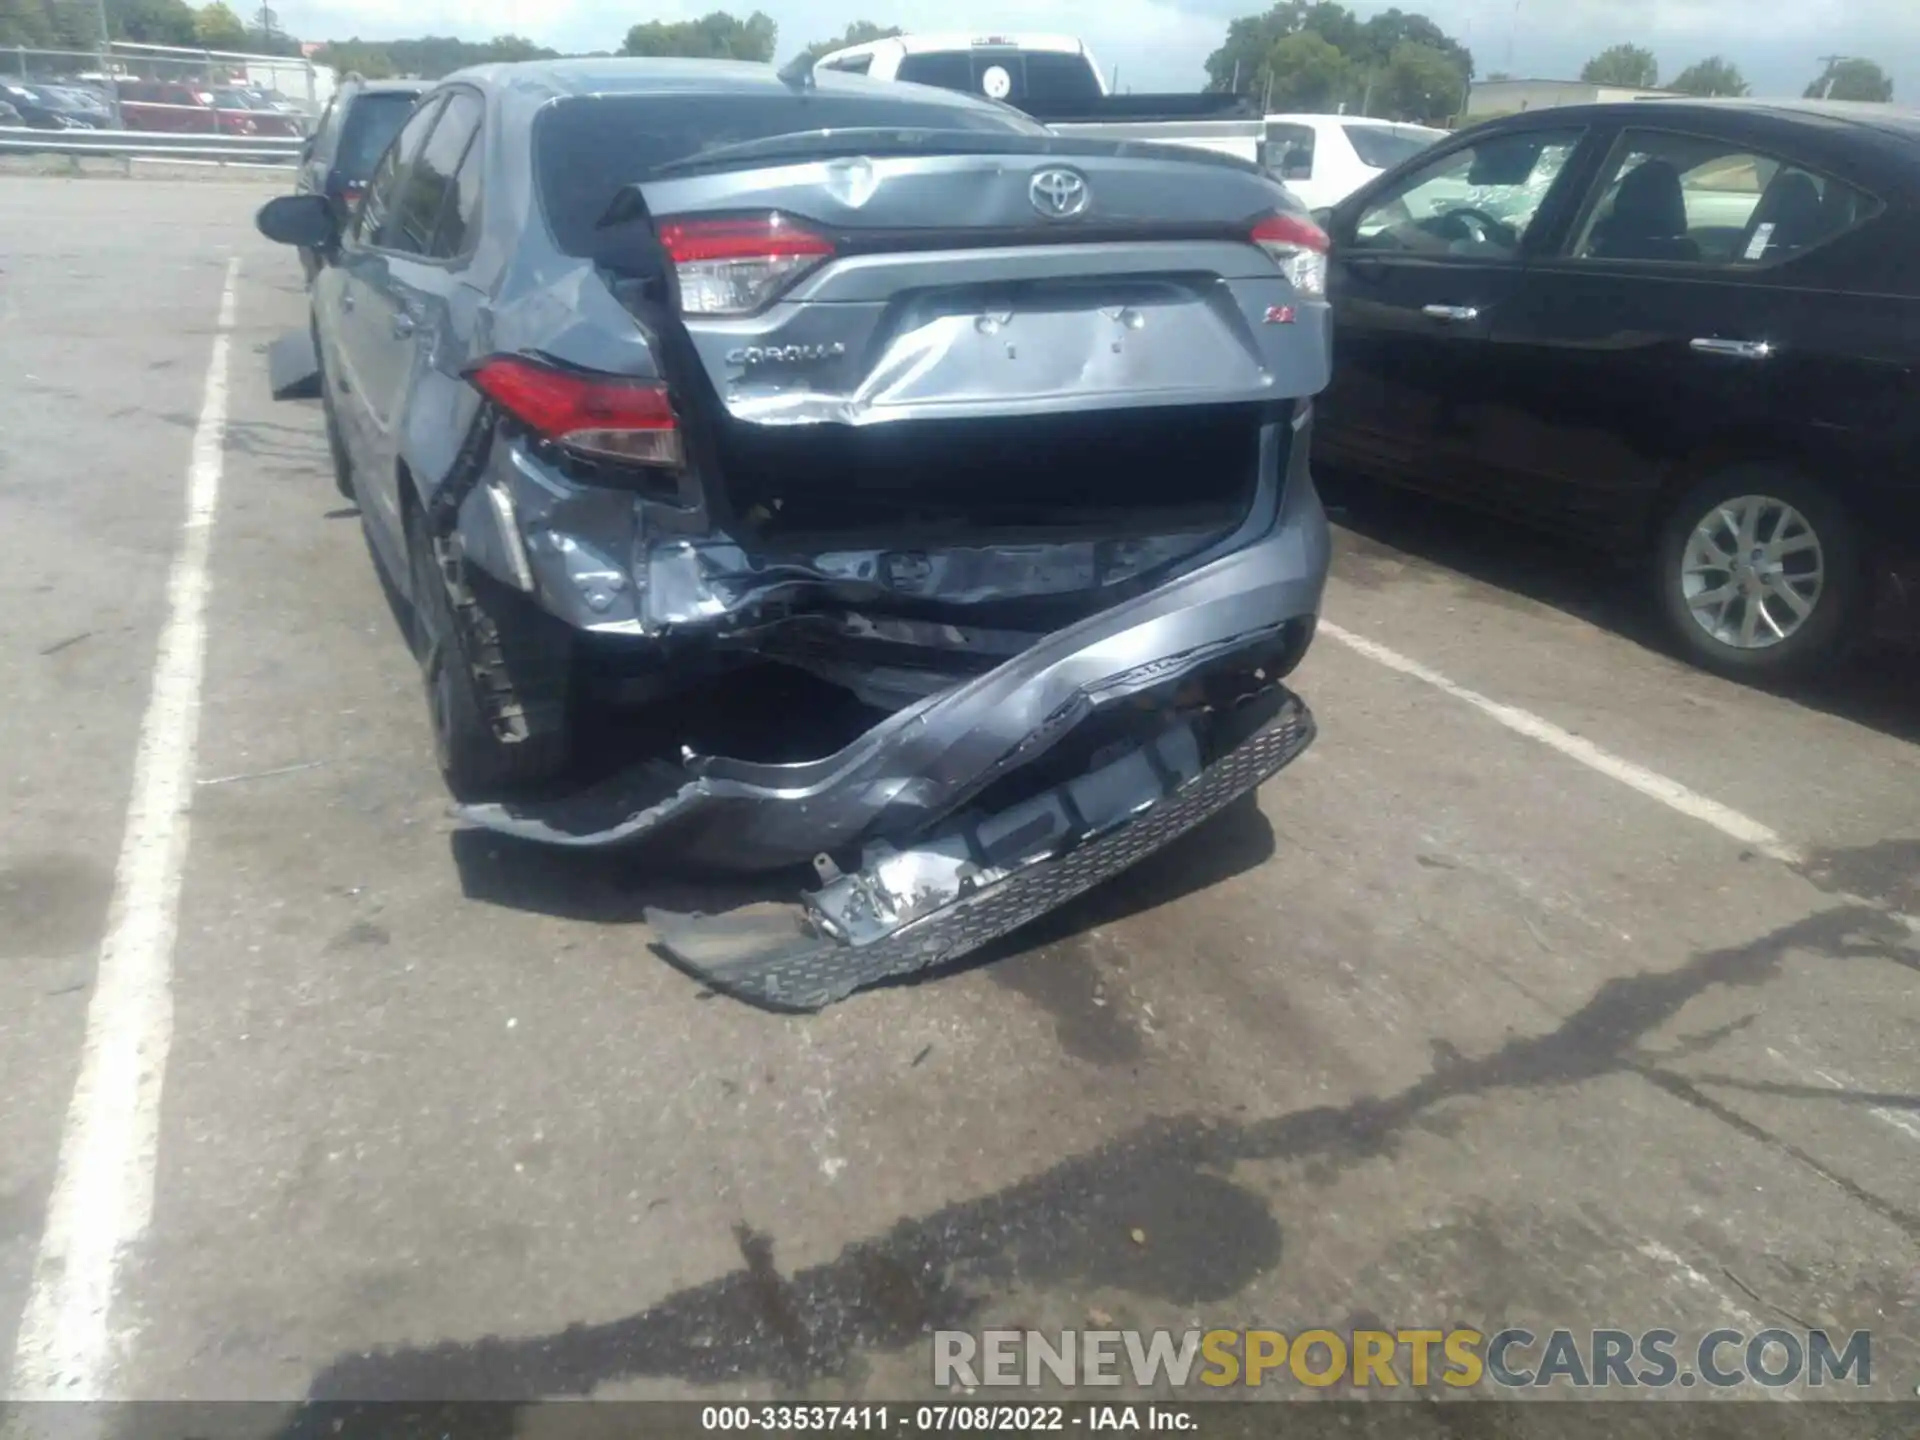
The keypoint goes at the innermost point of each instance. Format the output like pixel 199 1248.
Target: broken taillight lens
pixel 606 416
pixel 733 265
pixel 1299 247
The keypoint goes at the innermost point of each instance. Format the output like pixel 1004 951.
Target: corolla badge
pixel 752 355
pixel 1058 194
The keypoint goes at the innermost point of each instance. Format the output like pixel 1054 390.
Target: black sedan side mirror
pixel 303 220
pixel 1323 217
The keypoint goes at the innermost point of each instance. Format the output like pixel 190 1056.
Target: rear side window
pixel 1693 200
pixel 586 150
pixel 853 64
pixel 1384 146
pixel 1037 79
pixel 416 219
pixel 371 124
pixel 456 235
pixel 384 190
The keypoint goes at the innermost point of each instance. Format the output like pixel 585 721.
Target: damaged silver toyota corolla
pixel 646 375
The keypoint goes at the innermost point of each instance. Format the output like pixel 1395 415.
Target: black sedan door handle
pixel 1451 314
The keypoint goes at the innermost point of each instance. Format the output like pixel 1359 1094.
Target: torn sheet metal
pixel 793 959
pixel 918 765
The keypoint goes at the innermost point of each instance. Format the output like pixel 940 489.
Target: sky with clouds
pixel 1160 44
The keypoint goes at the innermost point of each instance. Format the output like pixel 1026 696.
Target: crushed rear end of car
pixel 1000 442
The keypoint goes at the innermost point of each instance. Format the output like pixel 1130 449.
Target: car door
pixel 1422 263
pixel 1667 322
pixel 355 331
pixel 423 241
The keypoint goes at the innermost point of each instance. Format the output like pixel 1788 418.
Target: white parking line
pixel 102 1199
pixel 1671 793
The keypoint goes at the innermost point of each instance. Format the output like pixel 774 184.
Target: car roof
pixel 1322 117
pixel 925 43
pixel 390 87
pixel 592 76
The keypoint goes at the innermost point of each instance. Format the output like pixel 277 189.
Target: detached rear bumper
pixel 1253 608
pixel 908 911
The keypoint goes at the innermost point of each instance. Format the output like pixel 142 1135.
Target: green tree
pixel 715 36
pixel 1253 60
pixel 1715 75
pixel 1634 66
pixel 152 22
pixel 858 33
pixel 218 28
pixel 356 57
pixel 1306 72
pixel 1387 32
pixel 1421 82
pixel 1852 80
pixel 24 22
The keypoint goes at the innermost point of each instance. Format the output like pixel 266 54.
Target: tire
pixel 1748 644
pixel 497 672
pixel 336 444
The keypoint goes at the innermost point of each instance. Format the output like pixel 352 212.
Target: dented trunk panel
pixel 949 294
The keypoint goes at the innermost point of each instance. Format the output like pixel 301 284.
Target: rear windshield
pixel 1385 146
pixel 371 125
pixel 1042 79
pixel 586 150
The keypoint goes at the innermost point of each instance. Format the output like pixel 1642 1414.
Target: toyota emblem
pixel 1058 194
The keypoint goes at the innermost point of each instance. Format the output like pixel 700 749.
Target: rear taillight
pixel 1299 247
pixel 600 415
pixel 736 264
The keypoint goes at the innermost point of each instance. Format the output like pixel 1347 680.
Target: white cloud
pixel 1161 44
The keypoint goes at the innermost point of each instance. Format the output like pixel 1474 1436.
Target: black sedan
pixel 1679 331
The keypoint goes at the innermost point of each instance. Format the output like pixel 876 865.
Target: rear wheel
pixel 497 672
pixel 1759 573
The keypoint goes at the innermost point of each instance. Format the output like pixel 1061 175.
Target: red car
pixel 196 110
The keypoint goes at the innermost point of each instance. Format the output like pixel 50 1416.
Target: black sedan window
pixel 1476 202
pixel 1694 200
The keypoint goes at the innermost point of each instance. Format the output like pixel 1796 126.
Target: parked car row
pixel 152 105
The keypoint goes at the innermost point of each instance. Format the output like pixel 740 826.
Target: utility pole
pixel 1513 28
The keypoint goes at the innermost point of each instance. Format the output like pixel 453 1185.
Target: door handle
pixel 346 299
pixel 403 325
pixel 1733 349
pixel 1451 314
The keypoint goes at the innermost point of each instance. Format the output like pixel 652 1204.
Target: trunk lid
pixel 994 274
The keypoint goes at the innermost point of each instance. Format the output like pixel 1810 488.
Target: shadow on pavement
pixel 616 887
pixel 1192 1184
pixel 1879 688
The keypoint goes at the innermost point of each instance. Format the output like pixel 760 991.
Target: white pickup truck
pixel 1055 79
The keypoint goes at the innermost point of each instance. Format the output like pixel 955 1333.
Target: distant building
pixel 1507 97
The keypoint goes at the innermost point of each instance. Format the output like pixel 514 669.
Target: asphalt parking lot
pixel 1557 984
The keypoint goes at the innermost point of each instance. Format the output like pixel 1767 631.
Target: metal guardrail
pixel 154 145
